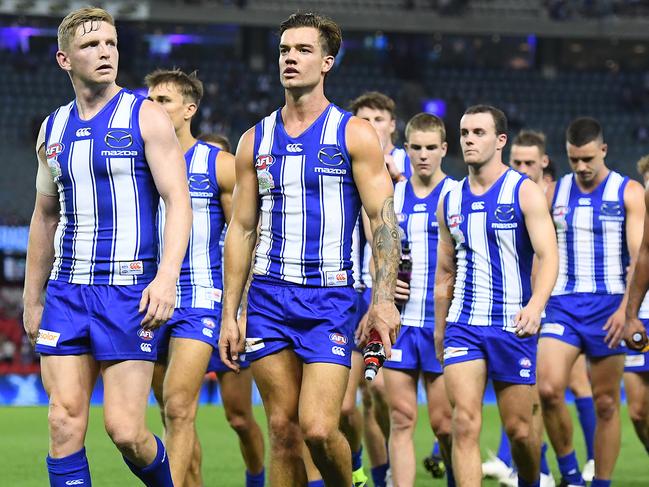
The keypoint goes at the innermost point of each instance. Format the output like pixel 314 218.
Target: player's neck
pixel 590 186
pixel 302 108
pixel 388 148
pixel 91 99
pixel 185 137
pixel 482 177
pixel 423 185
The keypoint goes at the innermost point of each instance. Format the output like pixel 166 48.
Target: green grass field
pixel 23 446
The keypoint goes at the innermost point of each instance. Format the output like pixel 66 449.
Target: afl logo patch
pixel 145 335
pixel 264 161
pixel 53 150
pixel 338 338
pixel 455 220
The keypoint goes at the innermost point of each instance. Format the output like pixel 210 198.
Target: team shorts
pixel 200 324
pixel 578 319
pixel 414 350
pixel 364 298
pixel 315 322
pixel 637 361
pixel 101 320
pixel 509 358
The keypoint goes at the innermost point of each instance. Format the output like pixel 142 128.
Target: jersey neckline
pixel 280 122
pixel 75 112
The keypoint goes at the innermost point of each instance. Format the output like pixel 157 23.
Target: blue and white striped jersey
pixel 593 254
pixel 200 283
pixel 493 253
pixel 418 220
pixel 402 161
pixel 107 228
pixel 309 201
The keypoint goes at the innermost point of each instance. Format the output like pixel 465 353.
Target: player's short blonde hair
pixel 643 165
pixel 68 27
pixel 426 122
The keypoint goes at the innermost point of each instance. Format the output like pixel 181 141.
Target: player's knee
pixel 441 424
pixel 127 438
pixel 639 412
pixel 179 408
pixel 519 431
pixel 402 419
pixel 348 409
pixel 284 435
pixel 239 422
pixel 550 394
pixel 318 433
pixel 466 422
pixel 606 406
pixel 66 418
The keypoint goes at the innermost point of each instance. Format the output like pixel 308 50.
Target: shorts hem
pixel 266 351
pixel 76 351
pixel 325 360
pixel 125 356
pixel 406 368
pixel 215 346
pixel 512 380
pixel 636 370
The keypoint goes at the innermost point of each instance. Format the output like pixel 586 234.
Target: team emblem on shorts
pixel 208 323
pixel 525 362
pixel 146 335
pixel 338 338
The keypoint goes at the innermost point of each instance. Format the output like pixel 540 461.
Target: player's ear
pixel 190 110
pixel 328 63
pixel 63 60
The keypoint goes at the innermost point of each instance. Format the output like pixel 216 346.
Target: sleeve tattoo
pixel 386 252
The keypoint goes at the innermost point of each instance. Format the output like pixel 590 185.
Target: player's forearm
pixel 40 255
pixel 444 284
pixel 638 285
pixel 546 271
pixel 386 253
pixel 239 245
pixel 178 224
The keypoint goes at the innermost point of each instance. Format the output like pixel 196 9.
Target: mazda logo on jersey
pixel 611 208
pixel 198 182
pixel 504 213
pixel 118 139
pixel 331 156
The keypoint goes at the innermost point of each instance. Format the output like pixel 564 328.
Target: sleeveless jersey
pixel 309 201
pixel 493 253
pixel 201 282
pixel 107 227
pixel 418 220
pixel 593 254
pixel 643 312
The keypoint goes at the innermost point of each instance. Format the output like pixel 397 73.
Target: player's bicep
pixel 368 167
pixel 245 197
pixel 162 150
pixel 225 175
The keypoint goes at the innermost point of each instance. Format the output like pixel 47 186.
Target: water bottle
pixel 405 268
pixel 373 355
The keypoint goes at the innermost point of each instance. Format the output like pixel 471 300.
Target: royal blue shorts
pixel 578 319
pixel 200 324
pixel 414 350
pixel 216 364
pixel 101 320
pixel 509 358
pixel 636 361
pixel 315 322
pixel 364 298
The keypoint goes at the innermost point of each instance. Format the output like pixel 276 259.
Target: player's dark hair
pixel 330 34
pixel 530 138
pixel 189 85
pixel 374 100
pixel 500 120
pixel 583 130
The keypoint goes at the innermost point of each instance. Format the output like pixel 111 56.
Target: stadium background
pixel 543 62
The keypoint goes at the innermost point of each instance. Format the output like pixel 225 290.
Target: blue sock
pixel 379 473
pixel 157 474
pixel 255 480
pixel 569 468
pixel 450 478
pixel 357 459
pixel 586 413
pixel 504 450
pixel 600 483
pixel 436 452
pixel 316 483
pixel 545 468
pixel 522 483
pixel 69 469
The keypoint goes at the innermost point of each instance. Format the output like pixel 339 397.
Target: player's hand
pixel 395 174
pixel 402 291
pixel 231 341
pixel 362 324
pixel 386 320
pixel 635 334
pixel 32 315
pixel 527 322
pixel 158 300
pixel 614 328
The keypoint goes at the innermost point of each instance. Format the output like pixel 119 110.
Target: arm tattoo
pixel 386 252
